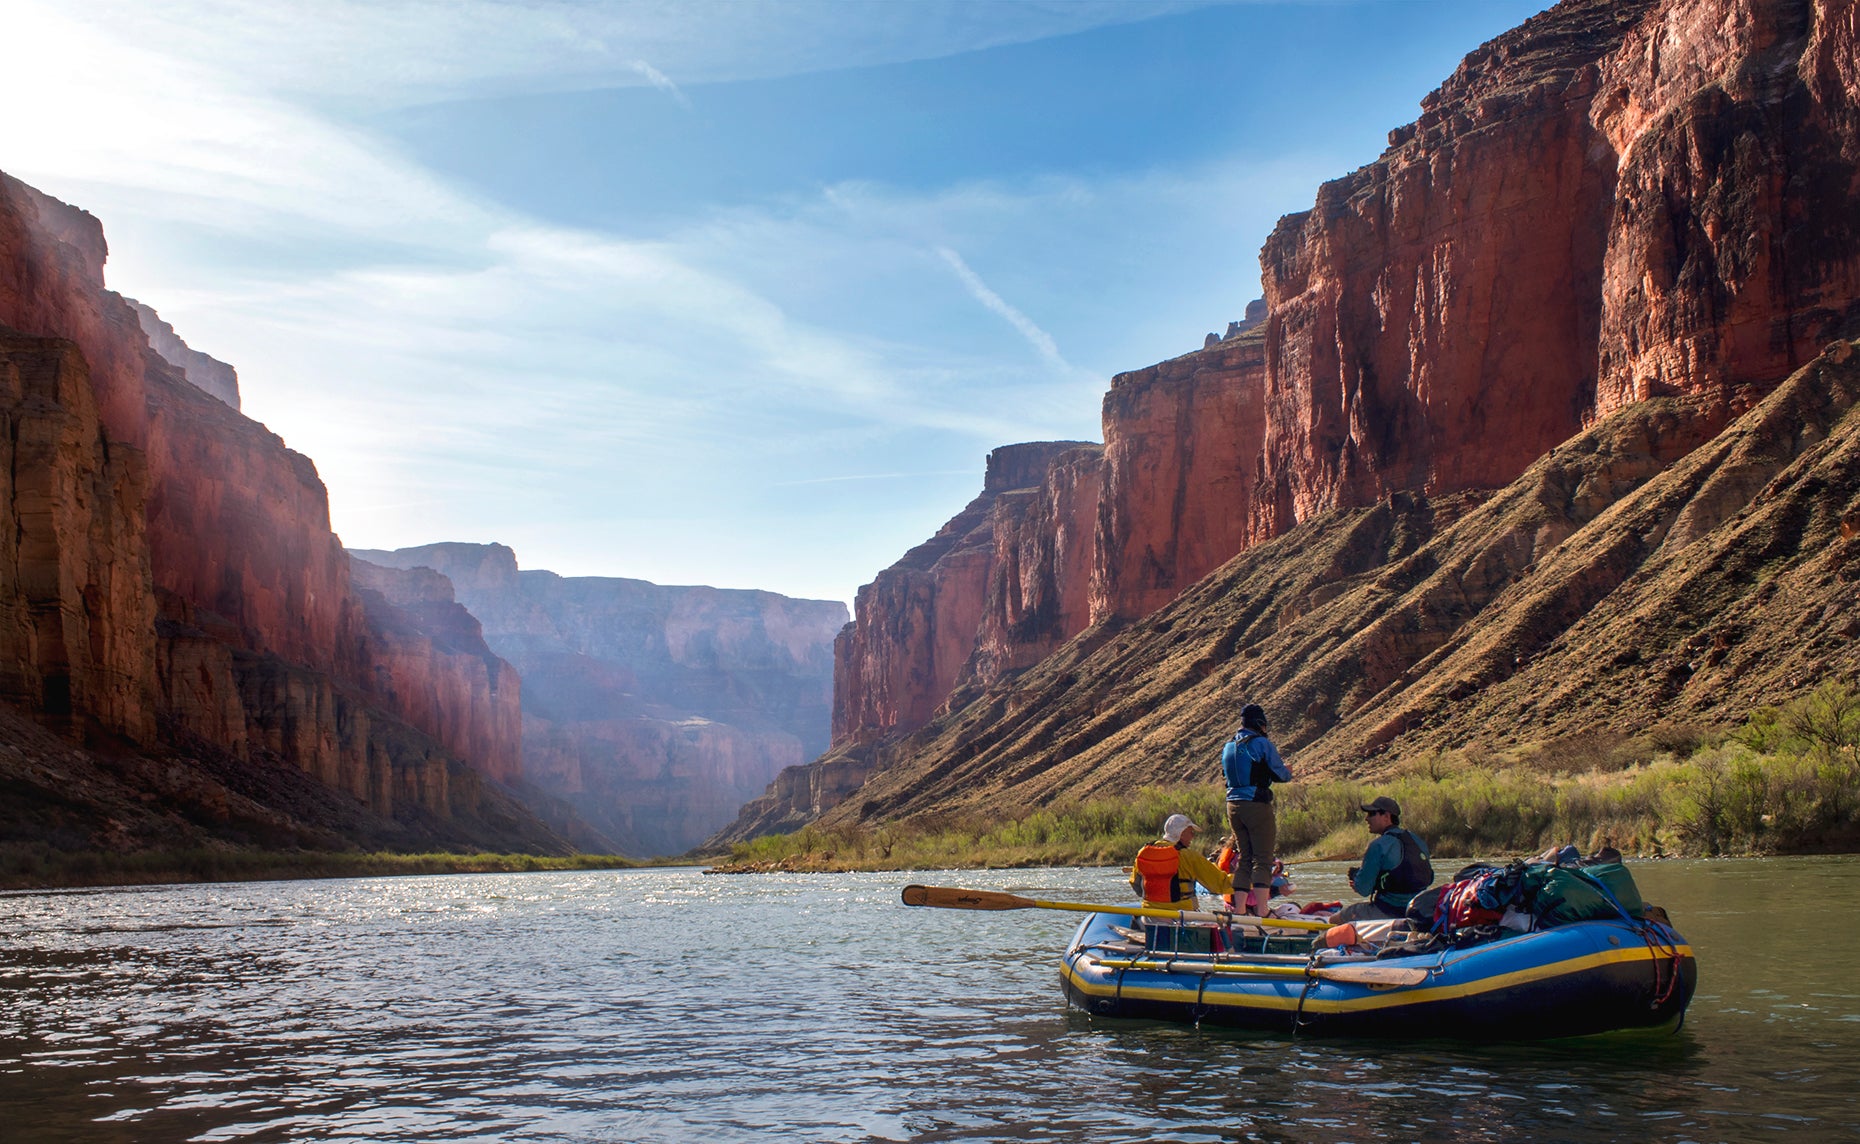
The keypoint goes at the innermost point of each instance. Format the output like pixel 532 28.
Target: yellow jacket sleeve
pixel 1205 872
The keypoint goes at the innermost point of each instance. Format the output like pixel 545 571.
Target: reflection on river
pixel 666 1005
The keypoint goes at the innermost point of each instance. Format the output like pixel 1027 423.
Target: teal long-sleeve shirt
pixel 1383 857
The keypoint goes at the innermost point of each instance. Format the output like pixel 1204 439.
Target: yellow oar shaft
pixel 951 898
pixel 1205 917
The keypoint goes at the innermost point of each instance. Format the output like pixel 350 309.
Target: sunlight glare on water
pixel 654 1005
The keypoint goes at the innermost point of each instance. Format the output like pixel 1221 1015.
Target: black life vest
pixel 1414 874
pixel 1159 865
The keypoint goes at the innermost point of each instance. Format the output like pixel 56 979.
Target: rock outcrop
pixel 918 624
pixel 171 585
pixel 1614 202
pixel 655 712
pixel 475 704
pixel 1182 445
pixel 207 372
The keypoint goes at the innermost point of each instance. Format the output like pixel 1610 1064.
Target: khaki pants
pixel 1256 832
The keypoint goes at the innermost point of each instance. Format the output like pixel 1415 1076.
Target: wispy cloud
pixel 354 53
pixel 1036 337
pixel 460 370
pixel 663 82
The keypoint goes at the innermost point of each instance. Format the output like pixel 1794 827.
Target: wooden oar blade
pixel 951 898
pixel 1383 976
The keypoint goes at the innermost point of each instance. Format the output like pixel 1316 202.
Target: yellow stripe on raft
pixel 1380 999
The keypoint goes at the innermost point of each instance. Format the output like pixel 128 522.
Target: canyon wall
pixel 654 711
pixel 475 704
pixel 1648 577
pixel 1182 444
pixel 171 579
pixel 919 622
pixel 1614 202
pixel 77 622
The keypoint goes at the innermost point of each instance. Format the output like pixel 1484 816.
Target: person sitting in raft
pixel 1166 870
pixel 1395 867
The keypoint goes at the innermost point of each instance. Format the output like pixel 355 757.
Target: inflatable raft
pixel 1570 980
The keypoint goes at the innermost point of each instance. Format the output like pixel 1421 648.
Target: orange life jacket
pixel 1225 861
pixel 1160 865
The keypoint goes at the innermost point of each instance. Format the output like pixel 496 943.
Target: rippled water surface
pixel 668 1005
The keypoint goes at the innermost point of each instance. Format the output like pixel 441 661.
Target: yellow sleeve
pixel 1206 872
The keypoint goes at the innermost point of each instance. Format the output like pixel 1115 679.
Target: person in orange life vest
pixel 1166 871
pixel 1251 764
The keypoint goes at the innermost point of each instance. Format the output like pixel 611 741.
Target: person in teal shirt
pixel 1395 867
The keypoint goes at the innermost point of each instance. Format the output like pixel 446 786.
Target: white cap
pixel 1175 825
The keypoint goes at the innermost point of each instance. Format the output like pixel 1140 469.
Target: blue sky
pixel 729 293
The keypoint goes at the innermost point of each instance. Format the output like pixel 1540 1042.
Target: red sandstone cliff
pixel 475 702
pixel 919 623
pixel 655 712
pixel 1182 444
pixel 77 622
pixel 171 577
pixel 1614 201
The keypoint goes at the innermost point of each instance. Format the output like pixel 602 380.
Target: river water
pixel 660 1005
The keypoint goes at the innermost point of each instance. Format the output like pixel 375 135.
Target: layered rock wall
pixel 654 711
pixel 1434 318
pixel 475 705
pixel 1044 539
pixel 1618 200
pixel 51 285
pixel 919 622
pixel 77 624
pixel 1734 254
pixel 1182 449
pixel 170 575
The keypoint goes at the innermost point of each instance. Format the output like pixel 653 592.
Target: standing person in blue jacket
pixel 1395 867
pixel 1251 764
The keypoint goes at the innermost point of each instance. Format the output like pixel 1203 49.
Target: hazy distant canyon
pixel 655 712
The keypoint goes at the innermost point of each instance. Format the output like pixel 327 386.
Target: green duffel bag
pixel 1620 883
pixel 1559 895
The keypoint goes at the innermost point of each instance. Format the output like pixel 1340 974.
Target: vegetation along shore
pixel 1784 782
